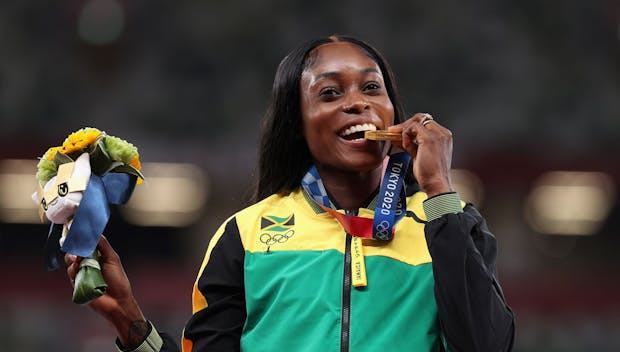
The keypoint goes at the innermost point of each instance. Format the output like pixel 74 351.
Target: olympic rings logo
pixel 382 230
pixel 271 239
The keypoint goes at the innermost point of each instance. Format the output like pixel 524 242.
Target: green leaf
pixel 113 165
pixel 100 163
pixel 89 283
pixel 128 169
pixel 61 158
pixel 101 147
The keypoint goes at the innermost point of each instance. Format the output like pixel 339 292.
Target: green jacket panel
pixel 294 265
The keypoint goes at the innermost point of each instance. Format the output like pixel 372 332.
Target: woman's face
pixel 342 95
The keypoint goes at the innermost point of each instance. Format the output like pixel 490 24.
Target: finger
pixel 411 148
pixel 415 130
pixel 106 252
pixel 72 271
pixel 421 117
pixel 432 127
pixel 396 128
pixel 410 136
pixel 409 141
pixel 104 246
pixel 70 258
pixel 427 123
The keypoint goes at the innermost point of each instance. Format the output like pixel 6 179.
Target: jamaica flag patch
pixel 277 223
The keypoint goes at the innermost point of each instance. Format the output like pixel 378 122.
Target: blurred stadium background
pixel 530 89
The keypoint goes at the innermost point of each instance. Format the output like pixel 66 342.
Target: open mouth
pixel 357 131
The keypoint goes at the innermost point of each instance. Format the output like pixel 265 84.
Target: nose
pixel 355 105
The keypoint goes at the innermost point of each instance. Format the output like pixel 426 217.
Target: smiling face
pixel 343 95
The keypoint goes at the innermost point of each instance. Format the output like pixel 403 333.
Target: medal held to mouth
pixel 383 135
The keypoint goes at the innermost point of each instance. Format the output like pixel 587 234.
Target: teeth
pixel 359 128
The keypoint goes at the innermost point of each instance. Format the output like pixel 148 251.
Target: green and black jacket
pixel 277 276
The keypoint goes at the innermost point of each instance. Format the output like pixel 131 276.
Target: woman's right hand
pixel 118 304
pixel 430 146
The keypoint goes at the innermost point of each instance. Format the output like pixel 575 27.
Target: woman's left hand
pixel 118 305
pixel 430 146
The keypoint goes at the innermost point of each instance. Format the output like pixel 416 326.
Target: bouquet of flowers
pixel 77 183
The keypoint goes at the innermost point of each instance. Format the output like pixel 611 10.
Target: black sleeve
pixel 217 327
pixel 170 345
pixel 473 313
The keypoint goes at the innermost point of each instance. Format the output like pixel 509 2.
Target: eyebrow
pixel 336 73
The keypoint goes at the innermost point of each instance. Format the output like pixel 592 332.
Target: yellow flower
pixel 80 139
pixel 135 162
pixel 104 151
pixel 50 153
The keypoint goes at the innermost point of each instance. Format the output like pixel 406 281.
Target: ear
pixel 82 167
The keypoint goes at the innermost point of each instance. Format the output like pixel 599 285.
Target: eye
pixel 63 189
pixel 329 93
pixel 372 86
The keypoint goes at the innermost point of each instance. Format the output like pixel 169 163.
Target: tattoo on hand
pixel 138 329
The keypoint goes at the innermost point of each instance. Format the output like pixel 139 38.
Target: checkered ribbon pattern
pixel 313 185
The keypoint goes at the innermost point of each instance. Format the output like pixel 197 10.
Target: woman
pixel 289 273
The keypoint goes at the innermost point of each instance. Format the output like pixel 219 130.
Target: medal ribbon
pixel 390 206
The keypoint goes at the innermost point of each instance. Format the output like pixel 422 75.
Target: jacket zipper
pixel 346 297
pixel 346 293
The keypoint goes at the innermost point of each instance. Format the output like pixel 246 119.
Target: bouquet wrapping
pixel 77 182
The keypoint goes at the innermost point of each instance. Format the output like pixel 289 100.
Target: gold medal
pixel 383 135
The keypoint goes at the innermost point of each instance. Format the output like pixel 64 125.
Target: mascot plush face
pixel 61 195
